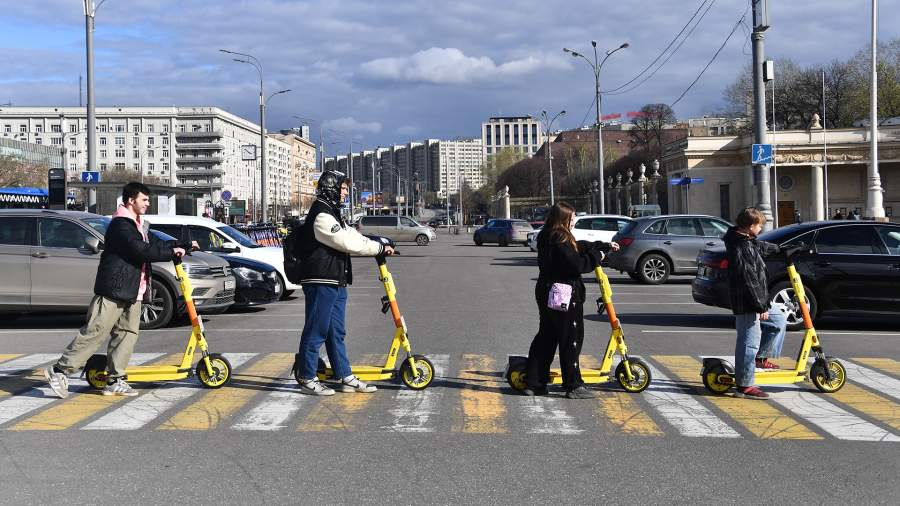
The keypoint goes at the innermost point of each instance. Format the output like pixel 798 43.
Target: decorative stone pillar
pixel 618 191
pixel 642 185
pixel 654 183
pixel 595 197
pixel 629 191
pixel 817 193
pixel 610 194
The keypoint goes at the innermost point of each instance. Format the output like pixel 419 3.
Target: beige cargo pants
pixel 106 317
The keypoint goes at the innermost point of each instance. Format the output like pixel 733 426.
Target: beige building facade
pixel 302 170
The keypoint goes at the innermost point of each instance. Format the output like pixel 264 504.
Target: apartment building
pixel 302 167
pixel 521 133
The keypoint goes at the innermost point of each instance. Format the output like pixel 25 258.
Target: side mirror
pixel 231 247
pixel 93 244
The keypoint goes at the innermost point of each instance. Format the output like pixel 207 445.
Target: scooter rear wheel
pixel 819 377
pixel 639 370
pixel 515 376
pixel 221 371
pixel 425 369
pixel 711 379
pixel 95 371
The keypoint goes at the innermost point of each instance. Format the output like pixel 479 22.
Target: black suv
pixel 854 269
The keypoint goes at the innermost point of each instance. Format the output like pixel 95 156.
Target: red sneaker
pixel 751 392
pixel 763 363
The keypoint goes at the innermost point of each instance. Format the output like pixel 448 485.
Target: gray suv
pixel 49 259
pixel 655 247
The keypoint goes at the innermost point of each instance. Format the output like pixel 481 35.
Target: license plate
pixel 229 284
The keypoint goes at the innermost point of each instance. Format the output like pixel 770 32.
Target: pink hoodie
pixel 123 211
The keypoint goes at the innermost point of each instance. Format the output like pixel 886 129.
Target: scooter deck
pixel 156 373
pixel 589 376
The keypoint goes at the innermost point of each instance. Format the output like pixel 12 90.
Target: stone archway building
pixel 723 163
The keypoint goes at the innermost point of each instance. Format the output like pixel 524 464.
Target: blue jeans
pixel 757 338
pixel 325 308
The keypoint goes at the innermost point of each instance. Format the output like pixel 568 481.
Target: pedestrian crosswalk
pixel 468 396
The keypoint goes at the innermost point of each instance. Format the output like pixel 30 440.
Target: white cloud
pixel 451 66
pixel 350 124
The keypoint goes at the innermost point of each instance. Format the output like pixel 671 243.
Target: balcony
pixel 198 135
pixel 200 145
pixel 205 172
pixel 190 160
pixel 200 185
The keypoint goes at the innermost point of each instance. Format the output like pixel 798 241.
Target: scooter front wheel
pixel 711 379
pixel 515 376
pixel 640 371
pixel 95 371
pixel 425 369
pixel 221 371
pixel 819 375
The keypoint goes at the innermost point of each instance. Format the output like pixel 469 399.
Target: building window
pixel 103 167
pixel 73 128
pixel 136 167
pixel 487 135
pixel 165 153
pixel 516 134
pixel 150 141
pixel 136 128
pixel 73 154
pixel 120 153
pixel 165 140
pixel 73 141
pixel 165 167
pixel 149 153
pixel 195 128
pixel 136 141
pixel 136 153
pixel 102 153
pixel 120 141
pixel 103 141
pixel 23 129
pixel 534 135
pixel 181 128
pixel 165 127
pixel 150 166
pixel 56 141
pixel 103 129
pixel 150 127
pixel 120 166
pixel 7 129
pixel 39 128
pixel 120 128
pixel 38 140
pixel 56 128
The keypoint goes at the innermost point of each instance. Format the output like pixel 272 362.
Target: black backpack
pixel 293 256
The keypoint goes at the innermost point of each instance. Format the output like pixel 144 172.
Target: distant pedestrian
pixel 853 215
pixel 838 216
pixel 122 283
pixel 561 261
pixel 797 217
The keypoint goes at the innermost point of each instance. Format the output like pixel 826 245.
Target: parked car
pixel 397 228
pixel 531 239
pixel 49 259
pixel 590 227
pixel 216 237
pixel 503 232
pixel 256 282
pixel 653 248
pixel 854 270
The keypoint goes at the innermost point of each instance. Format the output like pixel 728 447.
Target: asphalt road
pixel 468 438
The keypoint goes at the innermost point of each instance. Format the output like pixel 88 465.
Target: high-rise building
pixel 458 161
pixel 520 133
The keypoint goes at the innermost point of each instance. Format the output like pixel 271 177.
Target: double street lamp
pixel 596 65
pixel 548 125
pixel 252 60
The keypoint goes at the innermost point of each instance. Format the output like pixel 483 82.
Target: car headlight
pixel 248 274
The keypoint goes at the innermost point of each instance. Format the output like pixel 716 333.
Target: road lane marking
pixel 683 411
pixel 872 379
pixel 546 415
pixel 81 406
pixel 8 356
pixel 621 411
pixel 416 409
pixel 26 363
pixel 760 418
pixel 217 406
pixel 38 397
pixel 885 364
pixel 481 409
pixel 341 411
pixel 139 412
pixel 880 408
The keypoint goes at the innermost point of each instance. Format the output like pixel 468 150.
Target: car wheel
pixel 422 240
pixel 159 311
pixel 279 286
pixel 477 239
pixel 783 293
pixel 503 241
pixel 654 269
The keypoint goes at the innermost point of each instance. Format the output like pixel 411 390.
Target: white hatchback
pixel 222 238
pixel 590 227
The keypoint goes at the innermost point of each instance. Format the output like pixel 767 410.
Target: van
pixel 216 237
pixel 397 228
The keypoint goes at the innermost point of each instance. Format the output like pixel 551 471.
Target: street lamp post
pixel 595 66
pixel 90 12
pixel 548 126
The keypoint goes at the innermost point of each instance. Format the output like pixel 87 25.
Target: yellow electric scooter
pixel 827 374
pixel 632 373
pixel 213 370
pixel 416 371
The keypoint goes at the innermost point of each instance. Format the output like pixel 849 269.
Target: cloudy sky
pixel 382 72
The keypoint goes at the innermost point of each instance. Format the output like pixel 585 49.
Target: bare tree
pixel 16 172
pixel 647 133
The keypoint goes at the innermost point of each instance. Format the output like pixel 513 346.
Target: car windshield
pixel 239 237
pixel 101 223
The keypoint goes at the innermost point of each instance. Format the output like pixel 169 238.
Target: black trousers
pixel 557 328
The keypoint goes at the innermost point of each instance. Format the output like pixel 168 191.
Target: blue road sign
pixel 90 177
pixel 684 181
pixel 761 154
pixel 226 195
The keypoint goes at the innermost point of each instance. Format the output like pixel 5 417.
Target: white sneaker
pixel 353 384
pixel 58 381
pixel 120 387
pixel 315 387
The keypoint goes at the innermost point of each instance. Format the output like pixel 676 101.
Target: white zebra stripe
pixel 814 408
pixel 683 411
pixel 545 415
pixel 416 409
pixel 144 409
pixel 26 363
pixel 36 398
pixel 274 412
pixel 881 383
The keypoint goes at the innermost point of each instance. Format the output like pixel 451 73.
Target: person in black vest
pixel 325 244
pixel 561 260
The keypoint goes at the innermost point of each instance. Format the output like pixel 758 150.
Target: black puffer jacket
pixel 559 262
pixel 124 252
pixel 747 280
